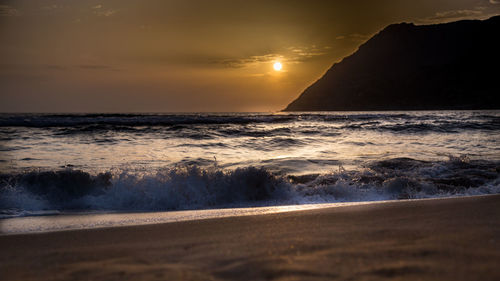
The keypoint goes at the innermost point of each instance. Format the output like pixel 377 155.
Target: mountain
pixel 410 67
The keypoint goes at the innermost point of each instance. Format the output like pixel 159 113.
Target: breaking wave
pixel 192 187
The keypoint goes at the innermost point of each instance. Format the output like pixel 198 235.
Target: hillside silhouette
pixel 409 67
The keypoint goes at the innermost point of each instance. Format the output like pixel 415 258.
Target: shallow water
pixel 123 162
pixel 69 221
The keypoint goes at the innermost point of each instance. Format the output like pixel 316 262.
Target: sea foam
pixel 193 187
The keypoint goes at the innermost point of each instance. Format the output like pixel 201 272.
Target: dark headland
pixel 410 67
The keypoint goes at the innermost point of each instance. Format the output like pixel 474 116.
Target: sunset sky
pixel 183 56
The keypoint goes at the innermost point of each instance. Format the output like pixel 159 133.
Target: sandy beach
pixel 442 239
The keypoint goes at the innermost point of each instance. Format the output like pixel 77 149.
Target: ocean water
pixel 108 163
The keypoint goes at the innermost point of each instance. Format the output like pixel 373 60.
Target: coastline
pixel 445 239
pixel 57 222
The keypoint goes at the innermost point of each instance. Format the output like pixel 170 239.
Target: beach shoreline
pixel 445 239
pixel 71 221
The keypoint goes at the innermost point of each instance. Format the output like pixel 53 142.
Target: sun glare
pixel 277 66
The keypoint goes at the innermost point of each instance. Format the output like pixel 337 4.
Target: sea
pixel 67 171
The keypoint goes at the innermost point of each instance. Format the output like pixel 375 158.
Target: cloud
pixel 93 66
pixel 454 15
pixel 58 67
pixel 56 8
pixel 457 14
pixel 106 13
pixel 97 67
pixel 8 11
pixel 304 53
pixel 241 62
pixel 477 13
pixel 289 55
pixel 356 37
pixel 50 7
pixel 99 11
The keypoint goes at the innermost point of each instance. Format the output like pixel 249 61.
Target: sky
pixel 188 55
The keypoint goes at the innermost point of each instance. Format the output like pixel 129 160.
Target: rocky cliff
pixel 410 67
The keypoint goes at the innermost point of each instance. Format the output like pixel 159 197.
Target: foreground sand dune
pixel 443 239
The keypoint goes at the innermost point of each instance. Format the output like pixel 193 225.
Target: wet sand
pixel 443 239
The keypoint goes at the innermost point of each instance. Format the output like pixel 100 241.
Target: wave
pixel 192 187
pixel 124 121
pixel 68 124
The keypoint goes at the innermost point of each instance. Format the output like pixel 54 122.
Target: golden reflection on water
pixel 301 145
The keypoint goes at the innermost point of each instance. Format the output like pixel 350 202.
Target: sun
pixel 277 66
